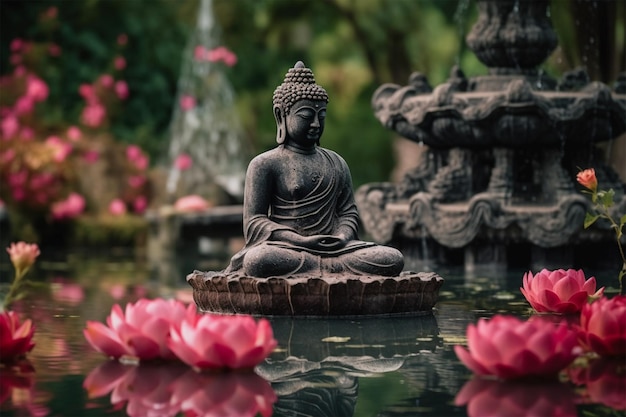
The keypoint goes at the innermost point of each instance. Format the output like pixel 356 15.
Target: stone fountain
pixel 496 181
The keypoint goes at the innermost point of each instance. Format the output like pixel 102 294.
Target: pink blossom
pixel 27 133
pixel 54 49
pixel 41 181
pixel 10 126
pixel 16 339
pixel 23 256
pixel 119 63
pixel 509 348
pixel 183 162
pixel 74 133
pixel 187 102
pixel 223 54
pixel 199 52
pixel 69 208
pixel 24 105
pixel 36 88
pixel 18 194
pixel 88 93
pixel 214 342
pixel 106 80
pixel 60 148
pixel 117 291
pixel 91 156
pixel 140 204
pixel 16 45
pixel 136 181
pixel 51 12
pixel 122 39
pixel 19 71
pixel 141 162
pixel 7 156
pixel 603 326
pixel 140 331
pixel 559 291
pixel 18 179
pixel 117 207
pixel 133 152
pixel 191 203
pixel 93 114
pixel 121 89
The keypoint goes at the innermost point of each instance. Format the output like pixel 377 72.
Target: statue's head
pixel 298 86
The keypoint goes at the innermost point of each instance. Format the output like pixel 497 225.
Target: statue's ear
pixel 281 127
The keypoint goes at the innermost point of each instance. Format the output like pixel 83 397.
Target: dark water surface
pixel 401 366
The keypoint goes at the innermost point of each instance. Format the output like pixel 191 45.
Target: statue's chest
pixel 300 180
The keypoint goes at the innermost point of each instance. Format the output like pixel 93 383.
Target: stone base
pixel 314 296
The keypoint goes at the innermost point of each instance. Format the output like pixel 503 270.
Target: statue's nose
pixel 315 122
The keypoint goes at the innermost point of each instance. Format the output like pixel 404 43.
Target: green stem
pixel 13 289
pixel 620 277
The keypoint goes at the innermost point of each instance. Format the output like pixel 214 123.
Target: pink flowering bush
pixel 560 291
pixel 509 348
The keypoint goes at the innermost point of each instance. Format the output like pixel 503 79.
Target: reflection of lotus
pixel 605 380
pixel 485 398
pixel 17 383
pixel 167 389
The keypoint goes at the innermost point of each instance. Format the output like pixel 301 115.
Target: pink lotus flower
pixel 214 342
pixel 559 291
pixel 117 207
pixel 183 162
pixel 69 208
pixel 15 339
pixel 509 348
pixel 67 292
pixel 603 326
pixel 191 203
pixel 141 331
pixel 23 255
pixel 171 389
pixel 489 398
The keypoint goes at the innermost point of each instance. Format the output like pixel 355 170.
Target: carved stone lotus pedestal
pixel 315 296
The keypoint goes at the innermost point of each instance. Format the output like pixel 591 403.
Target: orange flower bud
pixel 587 179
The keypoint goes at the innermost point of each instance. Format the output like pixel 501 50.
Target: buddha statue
pixel 300 216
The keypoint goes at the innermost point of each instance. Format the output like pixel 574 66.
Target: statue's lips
pixel 313 134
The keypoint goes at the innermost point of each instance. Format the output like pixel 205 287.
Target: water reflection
pixel 486 398
pixel 166 389
pixel 359 367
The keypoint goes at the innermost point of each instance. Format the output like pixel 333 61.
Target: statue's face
pixel 305 122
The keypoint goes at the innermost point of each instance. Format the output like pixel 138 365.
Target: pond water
pixel 383 367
